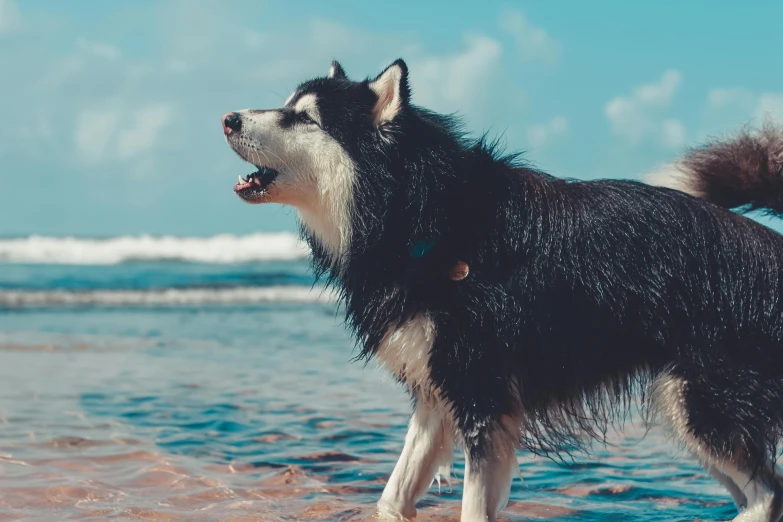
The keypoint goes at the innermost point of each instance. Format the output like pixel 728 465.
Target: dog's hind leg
pixel 712 431
pixel 429 446
pixel 763 491
pixel 740 500
pixel 490 466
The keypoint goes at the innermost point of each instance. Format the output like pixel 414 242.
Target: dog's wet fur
pixel 583 297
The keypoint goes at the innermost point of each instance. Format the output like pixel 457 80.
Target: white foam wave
pixel 166 297
pixel 225 248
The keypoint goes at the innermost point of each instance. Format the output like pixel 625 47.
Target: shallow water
pixel 248 411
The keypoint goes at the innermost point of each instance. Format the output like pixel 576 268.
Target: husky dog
pixel 571 299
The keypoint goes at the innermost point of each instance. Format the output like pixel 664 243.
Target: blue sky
pixel 111 109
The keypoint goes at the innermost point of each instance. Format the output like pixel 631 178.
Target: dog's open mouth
pixel 254 188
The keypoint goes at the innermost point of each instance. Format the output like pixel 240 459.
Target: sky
pixel 111 110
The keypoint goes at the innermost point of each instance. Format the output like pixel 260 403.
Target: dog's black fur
pixel 580 293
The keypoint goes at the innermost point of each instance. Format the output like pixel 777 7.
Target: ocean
pixel 165 378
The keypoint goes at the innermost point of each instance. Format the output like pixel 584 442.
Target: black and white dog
pixel 528 312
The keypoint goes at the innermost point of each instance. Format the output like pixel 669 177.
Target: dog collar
pixel 419 249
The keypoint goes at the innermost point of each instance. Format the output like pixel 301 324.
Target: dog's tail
pixel 743 172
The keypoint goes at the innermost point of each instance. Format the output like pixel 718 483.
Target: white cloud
pixel 673 133
pixel 10 17
pixel 540 135
pixel 255 40
pixel 177 66
pixel 459 81
pixel 641 114
pixel 310 54
pixel 660 93
pixel 725 97
pixel 75 64
pixel 769 105
pixel 61 72
pixel 144 132
pixel 94 130
pixel 743 103
pixel 325 34
pixel 533 43
pixel 37 128
pixel 119 133
pixel 99 49
pixel 204 33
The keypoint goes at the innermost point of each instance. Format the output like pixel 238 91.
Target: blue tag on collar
pixel 420 248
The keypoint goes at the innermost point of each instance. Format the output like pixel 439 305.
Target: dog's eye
pixel 305 118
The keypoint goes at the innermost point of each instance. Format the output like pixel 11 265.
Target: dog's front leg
pixel 490 466
pixel 429 445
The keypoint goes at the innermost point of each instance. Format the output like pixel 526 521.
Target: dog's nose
pixel 231 123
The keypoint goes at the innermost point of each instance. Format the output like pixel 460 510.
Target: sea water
pixel 208 379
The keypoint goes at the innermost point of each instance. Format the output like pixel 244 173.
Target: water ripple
pixel 257 414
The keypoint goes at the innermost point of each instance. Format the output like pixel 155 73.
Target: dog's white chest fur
pixel 405 351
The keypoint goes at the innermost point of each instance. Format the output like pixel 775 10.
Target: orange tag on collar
pixel 459 271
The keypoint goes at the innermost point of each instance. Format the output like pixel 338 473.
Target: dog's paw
pixel 387 513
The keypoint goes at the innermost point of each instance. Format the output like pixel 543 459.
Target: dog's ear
pixel 336 71
pixel 391 87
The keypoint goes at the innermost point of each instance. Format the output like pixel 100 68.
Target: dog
pixel 527 312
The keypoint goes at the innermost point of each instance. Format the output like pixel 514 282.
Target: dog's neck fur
pixel 333 237
pixel 380 283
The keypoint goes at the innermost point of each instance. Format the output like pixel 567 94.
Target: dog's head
pixel 308 151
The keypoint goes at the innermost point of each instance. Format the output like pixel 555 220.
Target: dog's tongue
pixel 262 178
pixel 242 184
pixel 253 180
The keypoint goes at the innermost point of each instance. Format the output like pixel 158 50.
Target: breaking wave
pixel 165 297
pixel 224 248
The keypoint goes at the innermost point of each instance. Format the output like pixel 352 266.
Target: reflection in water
pixel 256 413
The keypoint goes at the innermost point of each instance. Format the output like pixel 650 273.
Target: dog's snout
pixel 231 123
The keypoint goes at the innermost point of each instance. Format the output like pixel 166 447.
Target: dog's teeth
pixel 241 180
